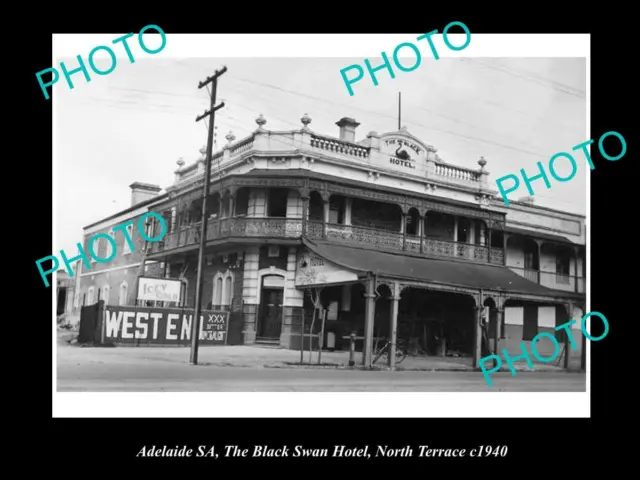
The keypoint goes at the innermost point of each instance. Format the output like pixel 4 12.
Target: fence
pixel 91 317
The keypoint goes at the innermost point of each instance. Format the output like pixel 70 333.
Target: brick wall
pixel 124 267
pixel 544 347
pixel 114 280
pixel 212 267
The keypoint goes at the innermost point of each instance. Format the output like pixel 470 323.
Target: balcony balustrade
pixel 291 228
pixel 556 281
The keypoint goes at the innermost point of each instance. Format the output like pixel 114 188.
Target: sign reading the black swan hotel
pixel 165 326
pixel 403 152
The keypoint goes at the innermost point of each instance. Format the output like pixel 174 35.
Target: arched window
pixel 228 290
pixel 90 296
pixel 222 289
pixel 126 247
pixel 111 246
pixel 123 294
pixel 105 294
pixel 217 292
pixel 95 246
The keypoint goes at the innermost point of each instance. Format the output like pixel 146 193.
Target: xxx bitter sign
pixel 166 326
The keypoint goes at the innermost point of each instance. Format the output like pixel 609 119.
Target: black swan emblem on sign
pixel 402 154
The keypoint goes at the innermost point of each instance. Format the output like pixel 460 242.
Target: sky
pixel 135 123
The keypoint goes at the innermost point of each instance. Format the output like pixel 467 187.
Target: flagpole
pixel 399 110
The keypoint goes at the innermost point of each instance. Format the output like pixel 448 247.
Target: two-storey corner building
pixel 115 281
pixel 401 243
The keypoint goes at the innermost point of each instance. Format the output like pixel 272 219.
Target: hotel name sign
pixel 402 152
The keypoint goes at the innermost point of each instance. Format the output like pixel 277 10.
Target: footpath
pixel 267 357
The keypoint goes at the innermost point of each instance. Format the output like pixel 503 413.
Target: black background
pixel 541 446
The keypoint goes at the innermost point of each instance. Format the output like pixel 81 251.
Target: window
pixel 90 296
pixel 277 202
pixel 563 268
pixel 222 294
pixel 127 249
pixel 105 294
pixel 93 247
pixel 228 291
pixel 529 322
pixel 528 261
pixel 111 245
pixel 217 299
pixel 123 294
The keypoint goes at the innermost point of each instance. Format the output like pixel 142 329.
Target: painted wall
pixel 513 335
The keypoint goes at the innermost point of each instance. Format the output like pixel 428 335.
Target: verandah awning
pixel 432 270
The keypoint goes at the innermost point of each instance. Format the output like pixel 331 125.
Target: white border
pixel 476 404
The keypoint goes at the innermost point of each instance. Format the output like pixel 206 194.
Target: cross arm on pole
pixel 209 112
pixel 212 77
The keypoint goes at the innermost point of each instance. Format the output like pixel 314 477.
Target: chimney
pixel 347 129
pixel 142 191
pixel 529 200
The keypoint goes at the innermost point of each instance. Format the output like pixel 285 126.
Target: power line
pixel 361 109
pixel 529 152
pixel 432 127
pixel 476 98
pixel 549 80
pixel 240 126
pixel 500 68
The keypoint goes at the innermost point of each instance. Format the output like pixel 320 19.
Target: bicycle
pixel 401 352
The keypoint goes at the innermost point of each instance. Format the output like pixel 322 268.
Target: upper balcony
pixel 388 192
pixel 243 230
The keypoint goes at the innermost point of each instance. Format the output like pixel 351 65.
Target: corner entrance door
pixel 271 313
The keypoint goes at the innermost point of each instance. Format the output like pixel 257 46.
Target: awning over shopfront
pixel 318 270
pixel 544 236
pixel 431 270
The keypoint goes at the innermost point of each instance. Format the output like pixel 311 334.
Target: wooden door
pixel 271 315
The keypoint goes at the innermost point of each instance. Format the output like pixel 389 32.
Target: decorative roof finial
pixel 230 136
pixel 306 120
pixel 261 121
pixel 180 162
pixel 482 162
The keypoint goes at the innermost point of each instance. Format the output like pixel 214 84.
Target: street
pixel 166 370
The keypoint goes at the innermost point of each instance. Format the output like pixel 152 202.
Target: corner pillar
pixel 498 330
pixel 393 325
pixel 567 344
pixel 305 214
pixel 325 216
pixel 477 332
pixel 369 313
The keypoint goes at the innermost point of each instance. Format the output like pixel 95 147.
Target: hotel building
pixel 399 242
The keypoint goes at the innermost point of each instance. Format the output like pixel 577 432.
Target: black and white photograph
pixel 301 217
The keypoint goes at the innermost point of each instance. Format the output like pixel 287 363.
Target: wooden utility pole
pixel 195 322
